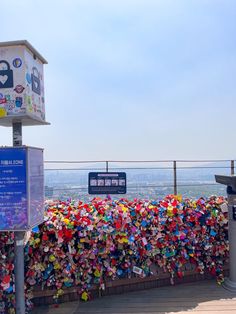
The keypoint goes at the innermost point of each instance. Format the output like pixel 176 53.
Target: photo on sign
pixel 93 182
pixel 121 182
pixel 100 182
pixel 108 182
pixel 115 182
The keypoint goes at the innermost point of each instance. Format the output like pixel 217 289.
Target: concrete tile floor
pixel 205 297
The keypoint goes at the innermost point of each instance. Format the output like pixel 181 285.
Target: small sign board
pixel 21 188
pixel 107 183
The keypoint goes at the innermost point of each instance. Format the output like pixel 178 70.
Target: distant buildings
pixel 48 191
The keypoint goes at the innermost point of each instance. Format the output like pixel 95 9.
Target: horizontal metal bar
pixel 133 161
pixel 75 169
pixel 73 162
pixel 135 168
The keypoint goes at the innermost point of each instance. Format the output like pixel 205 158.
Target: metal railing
pixel 175 181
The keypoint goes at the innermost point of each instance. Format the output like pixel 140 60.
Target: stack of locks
pixel 6 272
pixel 86 244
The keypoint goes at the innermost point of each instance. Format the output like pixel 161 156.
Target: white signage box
pixel 21 84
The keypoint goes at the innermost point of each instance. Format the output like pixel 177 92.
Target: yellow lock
pixel 3 113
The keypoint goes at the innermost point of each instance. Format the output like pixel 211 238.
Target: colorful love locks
pixel 86 244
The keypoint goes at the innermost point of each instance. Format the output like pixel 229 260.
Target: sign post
pixel 230 182
pixel 22 103
pixel 19 266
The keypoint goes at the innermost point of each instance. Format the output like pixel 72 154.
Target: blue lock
pixel 18 102
pixel 6 75
pixel 35 81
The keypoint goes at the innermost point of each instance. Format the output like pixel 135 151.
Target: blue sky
pixel 131 79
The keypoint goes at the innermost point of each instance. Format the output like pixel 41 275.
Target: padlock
pixel 35 79
pixel 18 102
pixel 234 212
pixel 6 76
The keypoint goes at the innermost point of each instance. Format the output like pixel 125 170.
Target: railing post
pixel 232 167
pixel 175 177
pixel 108 196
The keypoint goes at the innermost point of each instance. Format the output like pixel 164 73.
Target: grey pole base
pixel 19 272
pixel 229 285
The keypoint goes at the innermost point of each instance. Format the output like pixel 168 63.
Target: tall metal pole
pixel 19 242
pixel 230 182
pixel 175 177
pixel 232 167
pixel 107 169
pixel 230 283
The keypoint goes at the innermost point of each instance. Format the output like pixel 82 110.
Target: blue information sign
pixel 21 188
pixel 13 189
pixel 107 183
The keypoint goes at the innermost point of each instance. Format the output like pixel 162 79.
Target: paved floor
pixel 198 298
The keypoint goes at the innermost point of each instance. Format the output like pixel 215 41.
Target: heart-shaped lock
pixel 6 75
